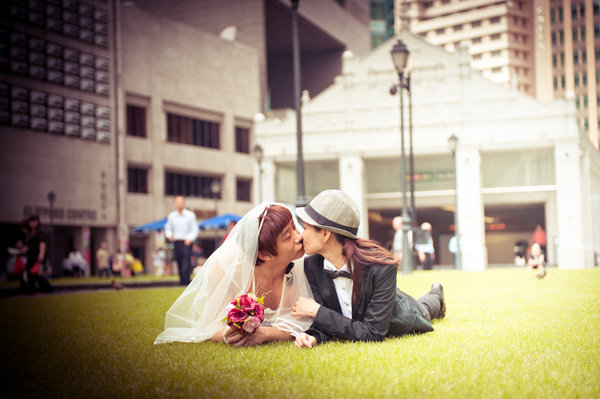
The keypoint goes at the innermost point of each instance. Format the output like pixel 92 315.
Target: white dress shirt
pixel 181 226
pixel 343 288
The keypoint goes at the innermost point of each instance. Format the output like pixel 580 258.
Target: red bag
pixel 19 266
pixel 35 269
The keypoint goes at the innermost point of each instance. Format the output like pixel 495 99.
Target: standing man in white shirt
pixel 182 229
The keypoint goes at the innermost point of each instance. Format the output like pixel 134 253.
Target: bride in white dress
pixel 257 257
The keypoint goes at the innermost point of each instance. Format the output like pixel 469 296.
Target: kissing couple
pixel 344 289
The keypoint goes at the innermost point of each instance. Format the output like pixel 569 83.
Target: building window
pixel 576 57
pixel 562 81
pixel 242 140
pixel 476 56
pixel 560 14
pixel 586 123
pixel 181 129
pixel 574 34
pixel 495 36
pixel 596 7
pixel 574 11
pixel 476 40
pixel 598 78
pixel 553 15
pixel 190 185
pixel 596 30
pixel 524 37
pixel 585 101
pixel 582 33
pixel 554 62
pixel 582 10
pixel 495 20
pixel 577 102
pixel 597 53
pixel 562 59
pixel 583 56
pixel 136 121
pixel 475 24
pixel 554 38
pixel 555 83
pixel 243 187
pixel 561 37
pixel 576 79
pixel 457 28
pixel 496 53
pixel 137 180
pixel 584 78
pixel 440 31
pixel 497 70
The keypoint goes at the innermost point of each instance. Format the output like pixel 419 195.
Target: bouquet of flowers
pixel 245 313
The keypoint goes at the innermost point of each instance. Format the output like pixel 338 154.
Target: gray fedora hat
pixel 332 210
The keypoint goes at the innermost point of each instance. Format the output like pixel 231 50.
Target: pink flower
pixel 237 315
pixel 251 324
pixel 248 303
pixel 259 312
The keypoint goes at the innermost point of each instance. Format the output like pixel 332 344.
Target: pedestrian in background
pixel 398 242
pixel 36 257
pixel 118 264
pixel 424 247
pixel 102 257
pixel 182 229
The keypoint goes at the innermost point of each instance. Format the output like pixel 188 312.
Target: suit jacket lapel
pixel 327 289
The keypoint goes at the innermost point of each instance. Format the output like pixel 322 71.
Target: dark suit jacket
pixel 382 311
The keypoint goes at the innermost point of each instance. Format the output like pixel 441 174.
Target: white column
pixel 352 183
pixel 551 212
pixel 571 251
pixel 470 210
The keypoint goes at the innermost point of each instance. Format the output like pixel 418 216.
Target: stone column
pixel 352 183
pixel 470 210
pixel 570 251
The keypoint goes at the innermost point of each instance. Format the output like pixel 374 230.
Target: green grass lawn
pixel 505 335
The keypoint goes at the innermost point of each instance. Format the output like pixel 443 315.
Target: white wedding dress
pixel 198 313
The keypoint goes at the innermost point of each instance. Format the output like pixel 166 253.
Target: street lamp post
pixel 400 55
pixel 51 198
pixel 259 154
pixel 453 144
pixel 301 198
pixel 215 189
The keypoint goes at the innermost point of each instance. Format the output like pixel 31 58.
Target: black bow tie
pixel 337 273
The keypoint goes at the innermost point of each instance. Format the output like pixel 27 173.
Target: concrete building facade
pixel 519 162
pixel 57 119
pixel 117 106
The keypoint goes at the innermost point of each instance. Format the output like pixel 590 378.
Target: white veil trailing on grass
pixel 198 313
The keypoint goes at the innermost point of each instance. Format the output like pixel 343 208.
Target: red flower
pixel 236 315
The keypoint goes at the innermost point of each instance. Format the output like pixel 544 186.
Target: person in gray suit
pixel 353 280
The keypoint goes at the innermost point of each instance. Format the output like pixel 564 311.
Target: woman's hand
pixel 305 307
pixel 303 340
pixel 233 337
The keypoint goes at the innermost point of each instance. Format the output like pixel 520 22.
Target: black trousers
pixel 431 304
pixel 182 257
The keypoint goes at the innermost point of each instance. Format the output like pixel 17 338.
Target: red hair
pixel 275 221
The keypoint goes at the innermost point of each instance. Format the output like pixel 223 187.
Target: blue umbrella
pixel 157 225
pixel 219 222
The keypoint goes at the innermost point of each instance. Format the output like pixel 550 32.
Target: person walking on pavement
pixel 182 229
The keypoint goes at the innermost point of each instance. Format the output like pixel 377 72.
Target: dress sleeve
pixel 375 323
pixel 295 286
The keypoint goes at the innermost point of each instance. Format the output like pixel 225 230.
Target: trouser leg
pixel 431 304
pixel 182 256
